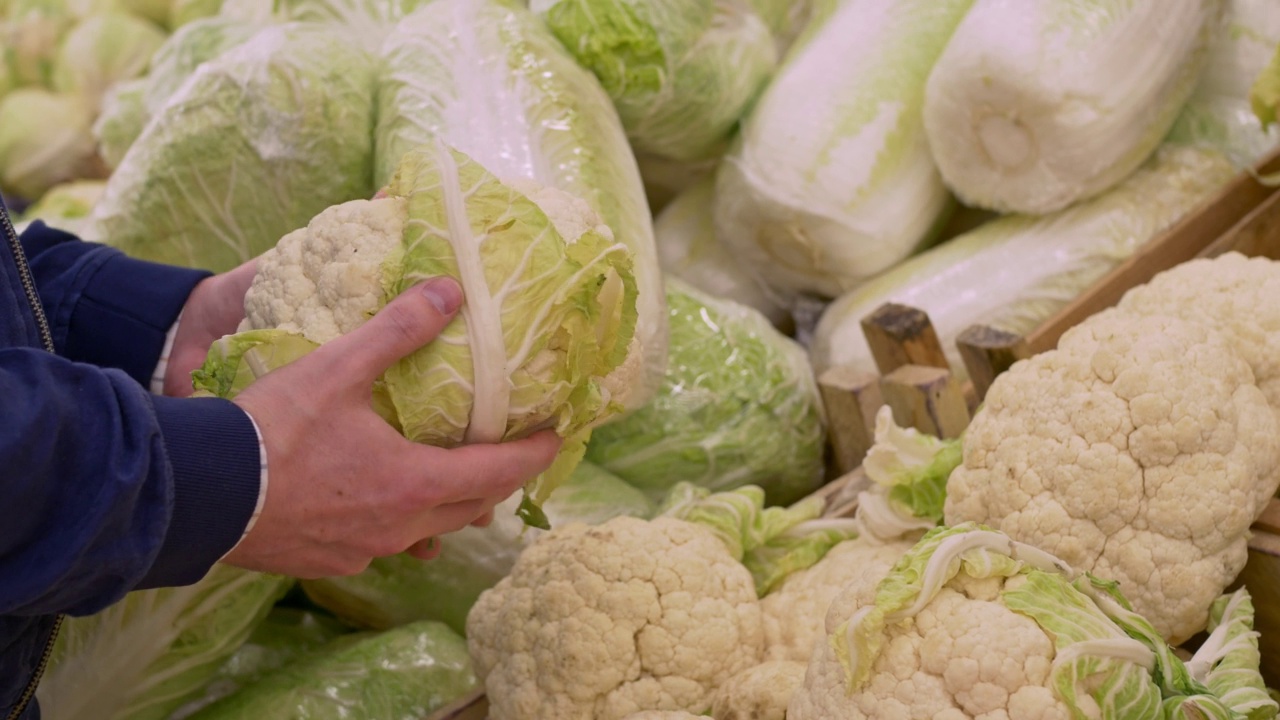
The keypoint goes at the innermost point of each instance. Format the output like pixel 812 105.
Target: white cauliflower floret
pixel 325 280
pixel 759 693
pixel 794 613
pixel 664 715
pixel 964 656
pixel 1238 296
pixel 599 622
pixel 572 216
pixel 1141 450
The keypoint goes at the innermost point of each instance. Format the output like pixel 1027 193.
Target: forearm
pixel 108 489
pixel 105 308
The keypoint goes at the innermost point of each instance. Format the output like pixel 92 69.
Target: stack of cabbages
pixel 645 201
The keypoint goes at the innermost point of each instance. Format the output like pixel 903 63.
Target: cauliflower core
pixel 599 622
pixel 794 613
pixel 964 656
pixel 1140 450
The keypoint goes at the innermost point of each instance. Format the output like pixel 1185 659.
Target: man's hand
pixel 215 308
pixel 343 486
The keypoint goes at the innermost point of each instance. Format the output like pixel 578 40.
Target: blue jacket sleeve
pixel 104 307
pixel 108 489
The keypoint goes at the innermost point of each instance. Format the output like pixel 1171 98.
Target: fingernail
pixel 444 293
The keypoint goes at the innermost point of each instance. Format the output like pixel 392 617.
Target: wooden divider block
pixel 987 352
pixel 927 398
pixel 899 335
pixel 852 398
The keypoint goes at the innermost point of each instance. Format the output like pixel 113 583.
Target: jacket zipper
pixel 46 338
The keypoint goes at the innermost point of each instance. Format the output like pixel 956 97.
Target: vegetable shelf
pixel 916 380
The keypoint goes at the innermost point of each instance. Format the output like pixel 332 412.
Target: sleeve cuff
pixel 162 366
pixel 216 458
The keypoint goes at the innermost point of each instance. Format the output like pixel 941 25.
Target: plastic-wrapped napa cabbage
pixel 264 137
pixel 401 674
pixel 738 406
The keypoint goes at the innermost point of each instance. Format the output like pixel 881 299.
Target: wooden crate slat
pixel 472 706
pixel 899 335
pixel 851 397
pixel 929 399
pixel 987 352
pixel 1257 235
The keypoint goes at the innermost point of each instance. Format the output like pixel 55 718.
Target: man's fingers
pixel 484 520
pixel 408 322
pixel 491 471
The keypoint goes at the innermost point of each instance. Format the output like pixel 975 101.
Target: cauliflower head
pixel 1139 450
pixel 664 715
pixel 600 622
pixel 1238 296
pixel 759 693
pixel 794 613
pixel 965 628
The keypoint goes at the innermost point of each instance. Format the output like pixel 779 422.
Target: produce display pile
pixel 643 201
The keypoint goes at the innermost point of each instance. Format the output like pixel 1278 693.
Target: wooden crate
pixel 916 382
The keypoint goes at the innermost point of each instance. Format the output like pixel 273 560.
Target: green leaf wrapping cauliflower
pixel 794 613
pixel 250 148
pixel 1140 450
pixel 489 79
pixel 970 624
pixel 738 406
pixel 599 622
pixel 543 335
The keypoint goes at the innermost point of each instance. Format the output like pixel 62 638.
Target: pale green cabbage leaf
pixel 1072 107
pixel 739 405
pixel 44 141
pixel 103 50
pixel 832 180
pixel 491 81
pixel 262 139
pixel 401 674
pixel 680 73
pixel 1013 273
pixel 689 249
pixel 286 634
pixel 155 650
pixel 771 542
pixel 1219 114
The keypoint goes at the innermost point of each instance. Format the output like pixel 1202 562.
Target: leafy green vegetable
pixel 265 137
pixel 542 341
pixel 153 651
pixel 832 181
pixel 400 674
pixel 285 635
pixel 680 73
pixel 1015 272
pixel 401 589
pixel 912 467
pixel 104 50
pixel 739 405
pixel 1070 109
pixel 44 141
pixel 772 542
pixel 491 81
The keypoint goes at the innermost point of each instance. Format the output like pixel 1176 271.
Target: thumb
pixel 413 319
